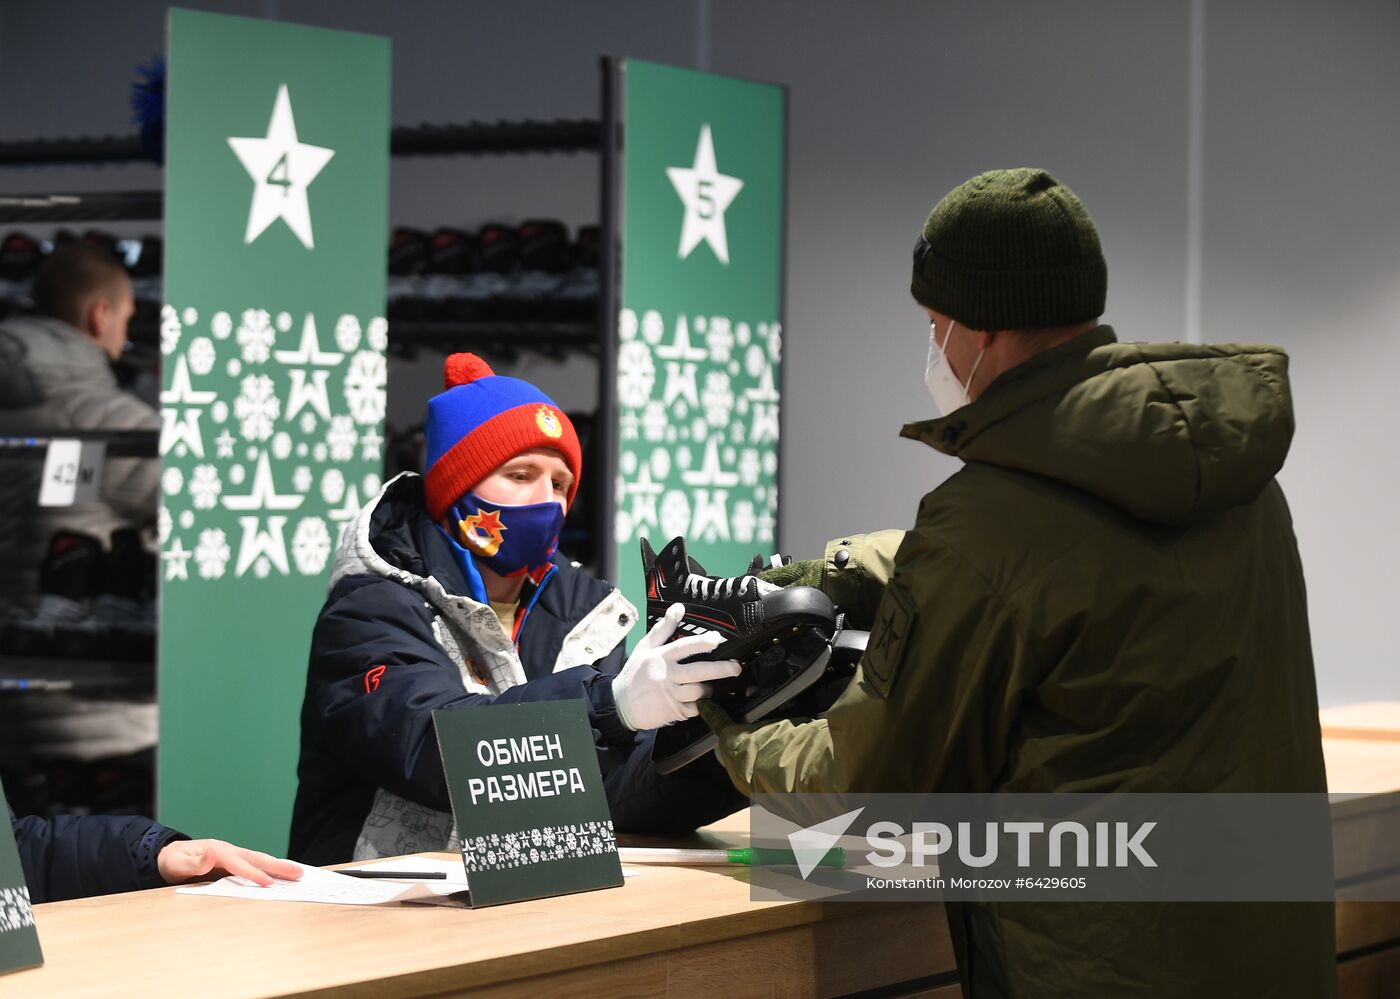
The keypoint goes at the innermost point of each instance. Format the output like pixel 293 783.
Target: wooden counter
pixel 1361 743
pixel 668 931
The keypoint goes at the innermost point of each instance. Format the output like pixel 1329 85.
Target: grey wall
pixel 892 104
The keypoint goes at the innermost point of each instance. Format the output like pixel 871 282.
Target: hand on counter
pixel 186 860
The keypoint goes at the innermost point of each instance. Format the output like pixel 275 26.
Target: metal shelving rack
pixel 500 138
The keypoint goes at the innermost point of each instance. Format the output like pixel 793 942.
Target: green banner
pixel 273 403
pixel 19 940
pixel 532 816
pixel 700 329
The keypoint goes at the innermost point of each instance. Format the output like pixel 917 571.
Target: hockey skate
pixel 781 637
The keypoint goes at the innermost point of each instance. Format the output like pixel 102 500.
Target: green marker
pixel 757 856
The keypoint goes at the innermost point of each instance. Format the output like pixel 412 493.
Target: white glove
pixel 655 688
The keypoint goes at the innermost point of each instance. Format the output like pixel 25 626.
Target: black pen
pixel 404 875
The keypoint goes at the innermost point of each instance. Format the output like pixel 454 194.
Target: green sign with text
pixel 274 339
pixel 527 794
pixel 700 330
pixel 19 940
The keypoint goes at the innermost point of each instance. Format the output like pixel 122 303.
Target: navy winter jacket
pixel 364 728
pixel 74 856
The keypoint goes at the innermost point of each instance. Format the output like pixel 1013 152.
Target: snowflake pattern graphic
pixel 170 330
pixel 15 911
pixel 205 487
pixel 201 355
pixel 257 407
pixel 653 327
pixel 636 374
pixel 286 417
pixel 333 486
pixel 719 389
pixel 347 333
pixel 627 325
pixel 311 546
pixel 256 336
pixel 655 421
pixel 378 334
pixel 775 343
pixel 743 522
pixel 750 468
pixel 755 361
pixel 341 438
pixel 719 339
pixel 717 398
pixel 211 553
pixel 675 513
pixel 506 851
pixel 364 387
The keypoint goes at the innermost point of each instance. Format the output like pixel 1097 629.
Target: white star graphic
pixel 181 426
pixel 369 445
pixel 282 168
pixel 706 193
pixel 176 561
pixel 309 351
pixel 710 473
pixel 264 495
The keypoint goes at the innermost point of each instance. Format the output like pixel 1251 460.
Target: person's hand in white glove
pixel 655 688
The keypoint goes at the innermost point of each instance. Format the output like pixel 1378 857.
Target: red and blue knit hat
pixel 482 421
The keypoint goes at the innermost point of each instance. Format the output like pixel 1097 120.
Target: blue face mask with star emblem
pixel 508 540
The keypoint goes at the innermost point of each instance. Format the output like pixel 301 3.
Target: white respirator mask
pixel 948 393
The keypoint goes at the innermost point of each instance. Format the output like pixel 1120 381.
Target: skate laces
pixel 705 588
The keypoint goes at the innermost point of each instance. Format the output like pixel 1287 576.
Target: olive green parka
pixel 1106 597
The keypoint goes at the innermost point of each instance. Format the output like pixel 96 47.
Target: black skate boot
pixel 67 578
pixel 781 638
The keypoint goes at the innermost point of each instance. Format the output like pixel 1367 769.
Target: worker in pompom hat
pixel 448 592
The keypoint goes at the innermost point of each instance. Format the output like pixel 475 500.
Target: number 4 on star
pixel 282 167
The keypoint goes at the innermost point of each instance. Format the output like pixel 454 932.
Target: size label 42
pixel 72 472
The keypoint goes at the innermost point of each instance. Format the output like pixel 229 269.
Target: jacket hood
pixel 37 350
pixel 1169 432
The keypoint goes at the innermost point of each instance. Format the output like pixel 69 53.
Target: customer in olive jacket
pixel 1107 597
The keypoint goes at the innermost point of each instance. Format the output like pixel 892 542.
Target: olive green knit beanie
pixel 1011 249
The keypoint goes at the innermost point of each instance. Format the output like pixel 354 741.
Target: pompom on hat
pixel 482 420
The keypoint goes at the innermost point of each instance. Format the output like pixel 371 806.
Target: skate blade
pixel 679 745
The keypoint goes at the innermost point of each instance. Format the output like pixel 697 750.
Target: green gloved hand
pixel 808 573
pixel 715 716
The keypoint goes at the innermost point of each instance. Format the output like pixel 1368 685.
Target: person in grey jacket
pixel 56 376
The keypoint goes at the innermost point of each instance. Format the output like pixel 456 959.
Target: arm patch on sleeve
pixel 894 620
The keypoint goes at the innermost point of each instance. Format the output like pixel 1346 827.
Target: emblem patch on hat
pixel 548 422
pixel 483 531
